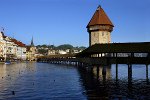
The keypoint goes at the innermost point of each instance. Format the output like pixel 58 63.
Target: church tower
pixel 99 28
pixel 32 44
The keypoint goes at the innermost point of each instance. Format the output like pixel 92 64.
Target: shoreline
pixel 18 62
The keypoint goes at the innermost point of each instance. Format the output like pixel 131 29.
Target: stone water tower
pixel 99 28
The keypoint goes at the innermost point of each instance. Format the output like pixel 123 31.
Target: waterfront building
pixel 15 49
pixel 20 50
pixel 99 27
pixel 51 52
pixel 62 52
pixel 11 48
pixel 2 46
pixel 31 51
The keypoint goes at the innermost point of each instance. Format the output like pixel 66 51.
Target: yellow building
pixel 31 51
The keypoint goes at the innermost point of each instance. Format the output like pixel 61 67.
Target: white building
pixel 2 45
pixel 62 52
pixel 51 52
pixel 11 48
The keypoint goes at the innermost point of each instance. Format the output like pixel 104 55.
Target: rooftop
pixel 138 47
pixel 100 18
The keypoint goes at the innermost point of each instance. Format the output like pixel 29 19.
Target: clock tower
pixel 99 28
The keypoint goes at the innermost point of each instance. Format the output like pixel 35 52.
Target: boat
pixel 7 62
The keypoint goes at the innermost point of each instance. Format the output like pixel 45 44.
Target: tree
pixel 82 48
pixel 65 46
pixel 44 45
pixel 42 51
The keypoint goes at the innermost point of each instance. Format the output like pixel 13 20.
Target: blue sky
pixel 64 21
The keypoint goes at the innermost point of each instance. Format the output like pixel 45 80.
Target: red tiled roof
pixel 21 44
pixel 15 41
pixel 100 18
pixel 18 43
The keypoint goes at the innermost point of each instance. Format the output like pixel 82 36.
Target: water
pixel 43 81
pixel 40 81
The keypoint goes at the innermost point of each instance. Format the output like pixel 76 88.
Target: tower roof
pixel 100 18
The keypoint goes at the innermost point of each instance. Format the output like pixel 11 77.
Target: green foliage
pixel 82 47
pixel 44 45
pixel 42 51
pixel 51 47
pixel 65 46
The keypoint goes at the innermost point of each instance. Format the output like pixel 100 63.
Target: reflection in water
pixel 40 81
pixel 109 88
pixel 10 75
pixel 2 72
pixel 101 68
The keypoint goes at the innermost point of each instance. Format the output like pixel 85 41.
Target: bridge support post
pixel 104 71
pixel 130 77
pixel 97 72
pixel 113 55
pixel 116 72
pixel 104 74
pixel 129 73
pixel 75 63
pixel 89 68
pixel 147 79
pixel 79 64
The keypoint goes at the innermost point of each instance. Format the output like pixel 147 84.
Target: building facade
pixel 11 48
pixel 31 52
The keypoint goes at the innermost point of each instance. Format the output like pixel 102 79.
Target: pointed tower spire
pixel 32 44
pixel 100 18
pixel 99 6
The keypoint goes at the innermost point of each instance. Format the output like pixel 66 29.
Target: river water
pixel 43 81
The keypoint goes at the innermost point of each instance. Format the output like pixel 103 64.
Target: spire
pixel 99 6
pixel 32 44
pixel 100 18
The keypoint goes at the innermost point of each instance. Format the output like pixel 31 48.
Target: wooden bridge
pixel 105 55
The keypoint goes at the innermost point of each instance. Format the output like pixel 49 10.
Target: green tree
pixel 65 46
pixel 42 51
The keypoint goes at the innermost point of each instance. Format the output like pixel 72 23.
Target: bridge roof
pixel 139 47
pixel 100 18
